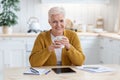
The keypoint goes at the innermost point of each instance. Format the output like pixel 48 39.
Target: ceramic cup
pixel 59 38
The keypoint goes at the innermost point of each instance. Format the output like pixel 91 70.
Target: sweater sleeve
pixel 75 52
pixel 39 54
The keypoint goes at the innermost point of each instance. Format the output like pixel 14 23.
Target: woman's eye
pixel 61 20
pixel 54 21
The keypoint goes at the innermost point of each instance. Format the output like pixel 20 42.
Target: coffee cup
pixel 59 38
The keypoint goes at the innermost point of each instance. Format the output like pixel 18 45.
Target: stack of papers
pixel 36 71
pixel 95 68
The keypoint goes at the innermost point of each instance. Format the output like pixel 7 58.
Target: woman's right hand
pixel 57 44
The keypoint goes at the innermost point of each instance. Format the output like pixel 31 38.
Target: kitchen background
pixel 78 13
pixel 99 48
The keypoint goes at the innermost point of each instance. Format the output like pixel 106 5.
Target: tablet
pixel 63 70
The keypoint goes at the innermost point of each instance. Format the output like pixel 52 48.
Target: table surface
pixel 17 74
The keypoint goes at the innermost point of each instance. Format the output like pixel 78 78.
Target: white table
pixel 17 74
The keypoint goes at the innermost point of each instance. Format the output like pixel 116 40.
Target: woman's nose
pixel 59 24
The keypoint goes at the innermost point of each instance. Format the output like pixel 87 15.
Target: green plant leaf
pixel 8 15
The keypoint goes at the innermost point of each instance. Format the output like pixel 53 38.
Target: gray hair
pixel 56 10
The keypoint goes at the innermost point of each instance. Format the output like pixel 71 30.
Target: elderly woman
pixel 57 46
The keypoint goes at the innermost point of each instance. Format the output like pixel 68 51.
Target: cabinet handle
pixel 110 40
pixel 101 47
pixel 6 65
pixel 101 62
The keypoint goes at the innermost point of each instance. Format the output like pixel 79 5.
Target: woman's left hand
pixel 65 42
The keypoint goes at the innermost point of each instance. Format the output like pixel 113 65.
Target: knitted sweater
pixel 41 56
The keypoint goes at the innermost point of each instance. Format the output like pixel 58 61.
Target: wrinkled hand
pixel 65 42
pixel 59 43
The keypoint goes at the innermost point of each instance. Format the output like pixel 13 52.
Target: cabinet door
pixel 107 50
pixel 14 58
pixel 1 64
pixel 92 56
pixel 29 45
pixel 14 49
pixel 116 52
pixel 27 63
pixel 1 60
pixel 90 48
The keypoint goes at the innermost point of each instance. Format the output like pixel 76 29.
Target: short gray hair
pixel 56 10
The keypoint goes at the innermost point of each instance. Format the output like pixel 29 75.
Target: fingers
pixel 64 42
pixel 51 47
pixel 54 46
pixel 57 42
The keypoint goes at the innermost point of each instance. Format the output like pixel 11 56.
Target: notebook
pixel 36 71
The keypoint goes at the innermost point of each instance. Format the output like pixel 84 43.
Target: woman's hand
pixel 56 44
pixel 65 42
pixel 59 43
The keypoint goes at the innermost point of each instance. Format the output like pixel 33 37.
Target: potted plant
pixel 8 16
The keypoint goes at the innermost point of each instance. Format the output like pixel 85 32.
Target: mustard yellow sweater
pixel 41 56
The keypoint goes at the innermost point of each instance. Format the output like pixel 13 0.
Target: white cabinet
pixel 116 57
pixel 105 51
pixel 1 60
pixel 100 50
pixel 90 47
pixel 109 51
pixel 29 45
pixel 13 50
pixel 14 58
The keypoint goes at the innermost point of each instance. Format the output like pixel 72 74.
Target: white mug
pixel 59 38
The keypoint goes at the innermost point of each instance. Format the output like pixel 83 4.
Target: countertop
pixel 106 34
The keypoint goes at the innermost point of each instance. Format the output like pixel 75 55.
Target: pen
pixel 47 72
pixel 34 70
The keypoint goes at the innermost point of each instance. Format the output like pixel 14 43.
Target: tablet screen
pixel 63 70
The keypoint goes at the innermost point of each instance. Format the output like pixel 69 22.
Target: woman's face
pixel 57 24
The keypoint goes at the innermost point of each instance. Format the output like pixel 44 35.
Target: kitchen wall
pixel 81 13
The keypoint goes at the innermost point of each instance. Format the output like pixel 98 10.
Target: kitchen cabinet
pixel 1 60
pixel 13 50
pixel 105 51
pixel 1 64
pixel 14 58
pixel 109 51
pixel 76 1
pixel 90 45
pixel 116 58
pixel 29 45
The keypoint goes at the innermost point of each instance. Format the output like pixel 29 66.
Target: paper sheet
pixel 95 68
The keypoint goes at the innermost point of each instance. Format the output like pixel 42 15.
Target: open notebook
pixel 36 71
